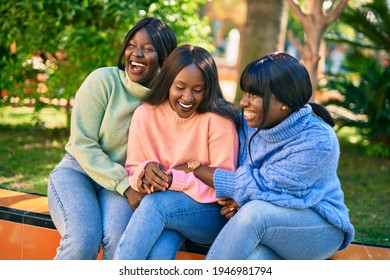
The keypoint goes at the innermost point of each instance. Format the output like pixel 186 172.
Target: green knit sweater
pixel 103 107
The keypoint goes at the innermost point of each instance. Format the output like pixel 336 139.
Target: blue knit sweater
pixel 294 165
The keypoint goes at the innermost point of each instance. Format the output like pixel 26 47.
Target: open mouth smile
pixel 137 66
pixel 249 115
pixel 185 107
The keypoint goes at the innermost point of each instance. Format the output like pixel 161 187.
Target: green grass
pixel 366 184
pixel 29 152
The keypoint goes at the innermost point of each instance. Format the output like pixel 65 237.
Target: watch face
pixel 193 164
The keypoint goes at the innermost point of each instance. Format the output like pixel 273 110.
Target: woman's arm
pixel 203 172
pixel 85 142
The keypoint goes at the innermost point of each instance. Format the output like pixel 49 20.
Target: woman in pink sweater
pixel 184 121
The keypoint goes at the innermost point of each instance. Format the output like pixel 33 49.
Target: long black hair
pixel 182 56
pixel 162 36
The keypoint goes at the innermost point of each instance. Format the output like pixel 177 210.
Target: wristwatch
pixel 192 165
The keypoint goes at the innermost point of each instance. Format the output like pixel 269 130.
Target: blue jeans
pixel 89 216
pixel 171 210
pixel 264 231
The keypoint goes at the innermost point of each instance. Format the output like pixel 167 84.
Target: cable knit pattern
pixel 294 165
pixel 158 134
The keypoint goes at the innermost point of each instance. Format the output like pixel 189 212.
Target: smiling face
pixel 141 59
pixel 187 91
pixel 253 109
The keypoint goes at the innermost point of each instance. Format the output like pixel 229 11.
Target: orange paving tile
pixel 39 243
pixel 10 240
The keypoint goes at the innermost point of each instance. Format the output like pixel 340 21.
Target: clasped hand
pixel 153 178
pixel 229 207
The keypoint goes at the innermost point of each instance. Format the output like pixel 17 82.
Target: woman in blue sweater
pixel 285 200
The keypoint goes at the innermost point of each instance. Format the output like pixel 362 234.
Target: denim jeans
pixel 171 210
pixel 89 216
pixel 261 230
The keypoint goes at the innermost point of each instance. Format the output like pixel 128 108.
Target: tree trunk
pixel 314 23
pixel 264 32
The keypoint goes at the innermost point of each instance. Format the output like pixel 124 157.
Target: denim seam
pixel 62 211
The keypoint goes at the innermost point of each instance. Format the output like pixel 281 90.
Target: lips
pixel 249 115
pixel 185 107
pixel 137 67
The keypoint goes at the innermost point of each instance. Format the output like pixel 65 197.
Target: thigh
pixel 199 222
pixel 291 233
pixel 116 213
pixel 73 203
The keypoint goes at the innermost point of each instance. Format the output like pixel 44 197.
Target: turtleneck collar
pixel 291 126
pixel 135 89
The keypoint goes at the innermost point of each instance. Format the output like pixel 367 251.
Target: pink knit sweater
pixel 159 134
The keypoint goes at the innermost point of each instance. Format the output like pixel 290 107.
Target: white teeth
pixel 249 114
pixel 185 105
pixel 137 64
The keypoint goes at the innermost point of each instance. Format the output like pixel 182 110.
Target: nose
pixel 188 96
pixel 138 52
pixel 244 100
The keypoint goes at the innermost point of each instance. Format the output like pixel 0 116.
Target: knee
pixel 156 200
pixel 254 212
pixel 79 247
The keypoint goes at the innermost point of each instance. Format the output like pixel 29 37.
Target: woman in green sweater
pixel 86 189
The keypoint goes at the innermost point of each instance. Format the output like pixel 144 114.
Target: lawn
pixel 29 152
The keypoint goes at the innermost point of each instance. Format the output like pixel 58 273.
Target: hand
pixel 229 207
pixel 133 197
pixel 153 178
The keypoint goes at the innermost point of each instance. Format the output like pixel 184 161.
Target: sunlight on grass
pixel 50 117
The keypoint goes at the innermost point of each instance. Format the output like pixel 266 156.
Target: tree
pixel 365 82
pixel 264 32
pixel 71 38
pixel 315 23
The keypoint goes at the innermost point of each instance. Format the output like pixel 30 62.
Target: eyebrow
pixel 200 84
pixel 147 43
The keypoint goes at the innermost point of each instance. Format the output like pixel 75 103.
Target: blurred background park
pixel 48 47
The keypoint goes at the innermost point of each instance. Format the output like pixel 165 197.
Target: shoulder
pixel 144 112
pixel 325 136
pixel 220 126
pixel 317 141
pixel 104 74
pixel 217 120
pixel 100 83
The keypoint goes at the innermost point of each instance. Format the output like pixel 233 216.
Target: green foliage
pixel 371 21
pixel 366 90
pixel 366 81
pixel 75 37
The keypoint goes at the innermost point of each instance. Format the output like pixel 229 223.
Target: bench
pixel 28 233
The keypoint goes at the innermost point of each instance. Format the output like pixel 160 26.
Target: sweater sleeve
pixel 87 115
pixel 223 152
pixel 289 179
